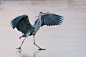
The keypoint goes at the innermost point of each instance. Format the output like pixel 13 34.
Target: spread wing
pixel 51 19
pixel 22 24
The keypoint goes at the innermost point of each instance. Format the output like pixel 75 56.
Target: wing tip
pixel 15 21
pixel 24 15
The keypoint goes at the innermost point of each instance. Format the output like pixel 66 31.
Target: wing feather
pixel 51 19
pixel 22 24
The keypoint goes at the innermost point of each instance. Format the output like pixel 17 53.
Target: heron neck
pixel 38 25
pixel 40 21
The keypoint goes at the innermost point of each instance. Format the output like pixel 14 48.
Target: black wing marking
pixel 36 22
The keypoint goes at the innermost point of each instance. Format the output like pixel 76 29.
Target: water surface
pixel 66 40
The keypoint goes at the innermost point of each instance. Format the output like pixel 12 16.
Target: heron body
pixel 37 25
pixel 23 25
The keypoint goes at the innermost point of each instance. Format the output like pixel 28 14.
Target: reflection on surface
pixel 28 55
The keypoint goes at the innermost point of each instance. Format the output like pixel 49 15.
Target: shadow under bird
pixel 22 24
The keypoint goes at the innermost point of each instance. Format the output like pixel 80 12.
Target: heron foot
pixel 19 49
pixel 41 49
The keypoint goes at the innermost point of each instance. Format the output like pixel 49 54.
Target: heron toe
pixel 19 48
pixel 41 49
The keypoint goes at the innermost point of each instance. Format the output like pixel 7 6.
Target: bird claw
pixel 19 49
pixel 41 49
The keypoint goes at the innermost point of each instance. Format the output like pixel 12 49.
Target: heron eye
pixel 40 12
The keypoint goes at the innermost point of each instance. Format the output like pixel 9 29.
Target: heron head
pixel 41 13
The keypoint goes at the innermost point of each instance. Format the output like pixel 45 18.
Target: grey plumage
pixel 51 19
pixel 22 24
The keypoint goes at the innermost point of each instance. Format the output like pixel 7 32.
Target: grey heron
pixel 22 24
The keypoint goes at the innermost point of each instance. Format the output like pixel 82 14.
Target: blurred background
pixel 65 40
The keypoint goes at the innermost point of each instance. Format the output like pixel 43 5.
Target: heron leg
pixel 21 44
pixel 36 44
pixel 34 41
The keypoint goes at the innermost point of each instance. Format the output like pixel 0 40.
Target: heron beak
pixel 46 13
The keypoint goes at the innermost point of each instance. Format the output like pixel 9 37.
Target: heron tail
pixel 22 36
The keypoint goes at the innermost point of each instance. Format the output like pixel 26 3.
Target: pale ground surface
pixel 66 40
